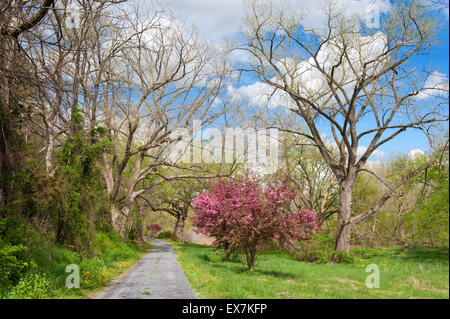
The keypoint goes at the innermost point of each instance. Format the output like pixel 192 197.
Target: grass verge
pixel 420 272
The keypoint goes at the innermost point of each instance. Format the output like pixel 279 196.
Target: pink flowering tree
pixel 153 229
pixel 244 216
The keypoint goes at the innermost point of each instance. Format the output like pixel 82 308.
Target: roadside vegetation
pixel 37 270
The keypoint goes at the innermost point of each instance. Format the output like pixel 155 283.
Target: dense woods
pixel 94 95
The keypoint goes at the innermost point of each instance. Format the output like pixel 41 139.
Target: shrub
pixel 93 273
pixel 165 235
pixel 11 264
pixel 319 250
pixel 68 198
pixel 16 238
pixel 243 216
pixel 16 231
pixel 32 286
pixel 153 229
pixel 112 248
pixel 60 255
pixel 343 257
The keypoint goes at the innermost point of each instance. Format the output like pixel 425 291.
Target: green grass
pixel 421 272
pixel 111 257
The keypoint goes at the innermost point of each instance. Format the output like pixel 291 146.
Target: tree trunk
pixel 140 226
pixel 120 220
pixel 117 220
pixel 6 134
pixel 250 254
pixel 49 153
pixel 126 224
pixel 344 215
pixel 227 251
pixel 178 232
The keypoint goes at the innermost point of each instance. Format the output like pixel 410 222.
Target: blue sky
pixel 437 60
pixel 216 20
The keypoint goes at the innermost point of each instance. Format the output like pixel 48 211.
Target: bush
pixel 343 257
pixel 16 231
pixel 319 250
pixel 153 229
pixel 11 264
pixel 93 273
pixel 134 235
pixel 60 255
pixel 112 248
pixel 32 286
pixel 16 238
pixel 165 235
pixel 104 242
pixel 244 216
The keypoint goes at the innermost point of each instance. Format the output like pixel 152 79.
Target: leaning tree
pixel 173 198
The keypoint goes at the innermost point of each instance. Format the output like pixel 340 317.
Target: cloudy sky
pixel 220 18
pixel 217 20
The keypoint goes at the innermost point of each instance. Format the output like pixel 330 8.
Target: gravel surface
pixel 157 275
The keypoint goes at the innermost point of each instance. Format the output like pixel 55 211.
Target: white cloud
pixel 436 84
pixel 260 94
pixel 361 150
pixel 372 165
pixel 314 17
pixel 304 75
pixel 216 19
pixel 377 154
pixel 415 153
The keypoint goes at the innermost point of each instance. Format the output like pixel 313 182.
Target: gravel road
pixel 157 275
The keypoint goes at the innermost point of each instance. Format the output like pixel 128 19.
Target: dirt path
pixel 157 275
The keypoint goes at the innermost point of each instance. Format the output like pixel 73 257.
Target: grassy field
pixel 420 272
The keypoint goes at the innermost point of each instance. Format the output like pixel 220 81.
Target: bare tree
pixel 137 73
pixel 165 79
pixel 16 17
pixel 310 174
pixel 72 53
pixel 349 77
